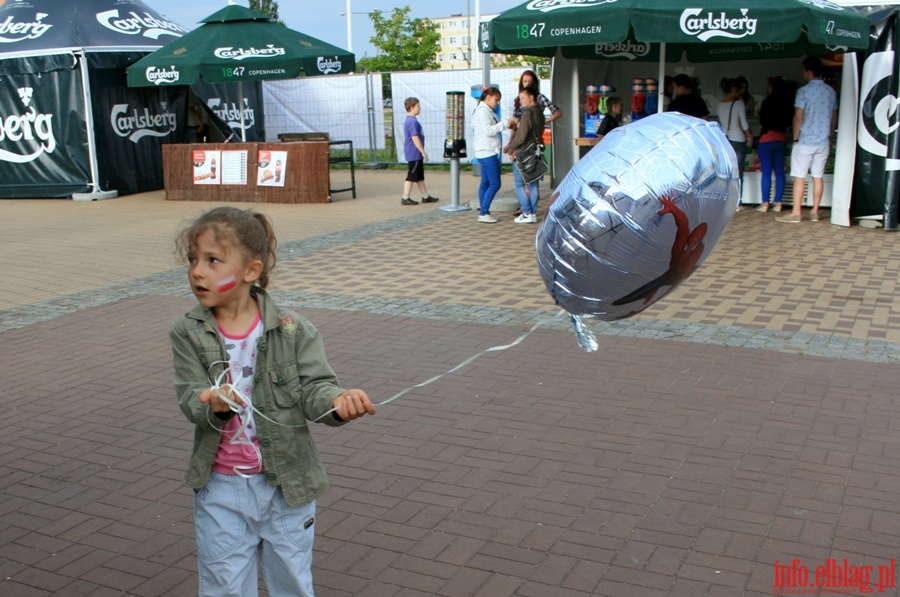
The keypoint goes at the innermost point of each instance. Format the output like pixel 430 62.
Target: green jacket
pixel 293 384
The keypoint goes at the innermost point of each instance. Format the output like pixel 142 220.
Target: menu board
pixel 234 167
pixel 219 167
pixel 272 168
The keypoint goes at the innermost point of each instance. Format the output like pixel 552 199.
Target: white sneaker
pixel 532 219
pixel 525 219
pixel 487 218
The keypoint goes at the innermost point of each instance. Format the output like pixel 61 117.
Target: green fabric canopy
pixel 631 29
pixel 239 44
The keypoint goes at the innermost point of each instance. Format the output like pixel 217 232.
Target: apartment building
pixel 458 43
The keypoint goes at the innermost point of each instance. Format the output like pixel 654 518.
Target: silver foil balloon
pixel 636 216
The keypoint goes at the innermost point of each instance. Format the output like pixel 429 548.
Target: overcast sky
pixel 324 18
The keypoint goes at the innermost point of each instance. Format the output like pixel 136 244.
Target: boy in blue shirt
pixel 414 150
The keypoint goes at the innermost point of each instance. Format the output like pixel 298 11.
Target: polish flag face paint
pixel 226 284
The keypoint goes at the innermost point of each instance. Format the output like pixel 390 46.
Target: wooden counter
pixel 586 141
pixel 306 174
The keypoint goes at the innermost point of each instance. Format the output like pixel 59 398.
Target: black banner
pixel 223 100
pixel 130 127
pixel 43 135
pixel 877 180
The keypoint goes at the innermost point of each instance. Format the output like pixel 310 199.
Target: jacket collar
pixel 269 312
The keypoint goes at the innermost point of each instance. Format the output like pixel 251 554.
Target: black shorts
pixel 416 171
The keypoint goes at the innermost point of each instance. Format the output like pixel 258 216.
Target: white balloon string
pixel 217 387
pixel 515 342
pixel 246 406
pixel 244 411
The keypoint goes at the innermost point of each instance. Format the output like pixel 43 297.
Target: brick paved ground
pixel 750 418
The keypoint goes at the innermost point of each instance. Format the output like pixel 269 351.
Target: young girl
pixel 530 79
pixel 487 146
pixel 614 106
pixel 249 375
pixel 530 129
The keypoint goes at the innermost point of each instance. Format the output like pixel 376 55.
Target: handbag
pixel 531 163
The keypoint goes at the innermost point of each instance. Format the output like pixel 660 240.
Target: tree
pixel 539 64
pixel 403 43
pixel 267 7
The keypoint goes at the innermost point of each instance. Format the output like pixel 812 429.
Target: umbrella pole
pixel 661 79
pixel 96 192
pixel 241 108
pixel 370 92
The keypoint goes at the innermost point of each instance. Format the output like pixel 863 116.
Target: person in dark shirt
pixel 686 101
pixel 611 120
pixel 776 114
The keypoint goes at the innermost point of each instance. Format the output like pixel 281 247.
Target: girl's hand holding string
pixel 348 406
pixel 213 397
pixel 353 404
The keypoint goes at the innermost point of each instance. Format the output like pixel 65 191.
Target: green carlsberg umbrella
pixel 766 28
pixel 239 44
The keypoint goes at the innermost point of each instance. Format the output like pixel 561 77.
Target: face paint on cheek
pixel 226 284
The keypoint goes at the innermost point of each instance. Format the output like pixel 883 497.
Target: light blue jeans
pixel 527 201
pixel 237 517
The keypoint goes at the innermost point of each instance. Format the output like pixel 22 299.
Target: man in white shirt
pixel 815 119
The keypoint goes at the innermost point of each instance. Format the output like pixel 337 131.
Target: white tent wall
pixel 431 88
pixel 336 105
pixel 845 148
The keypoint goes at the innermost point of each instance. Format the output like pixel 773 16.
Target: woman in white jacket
pixel 487 149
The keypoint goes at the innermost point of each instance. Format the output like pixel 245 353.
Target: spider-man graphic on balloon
pixel 686 252
pixel 636 217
